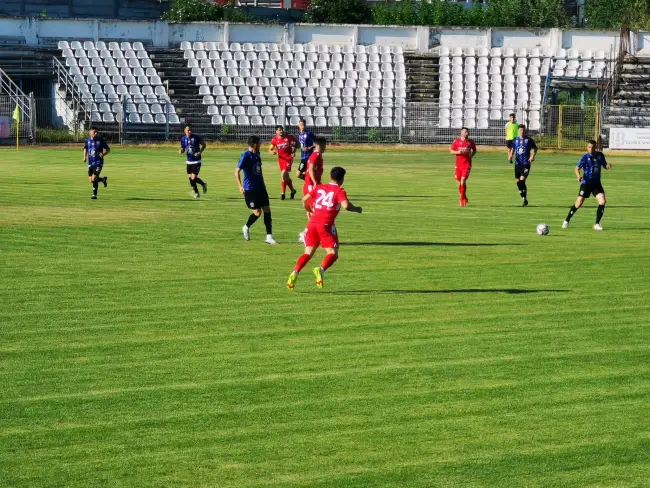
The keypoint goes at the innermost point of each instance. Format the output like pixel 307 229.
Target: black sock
pixel 523 191
pixel 268 223
pixel 199 181
pixel 573 210
pixel 193 185
pixel 95 186
pixel 521 188
pixel 252 218
pixel 599 213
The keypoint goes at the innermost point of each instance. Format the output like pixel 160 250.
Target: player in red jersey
pixel 314 174
pixel 324 202
pixel 284 146
pixel 464 149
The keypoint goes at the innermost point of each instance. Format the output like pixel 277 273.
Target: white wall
pixel 162 34
pixel 643 43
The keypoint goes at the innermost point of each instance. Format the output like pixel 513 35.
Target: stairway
pixel 422 72
pixel 21 62
pixel 184 93
pixel 630 105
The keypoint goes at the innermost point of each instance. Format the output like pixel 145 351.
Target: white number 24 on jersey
pixel 324 199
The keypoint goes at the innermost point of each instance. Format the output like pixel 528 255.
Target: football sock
pixel 268 223
pixel 573 210
pixel 199 181
pixel 463 191
pixel 290 184
pixel 302 262
pixel 193 185
pixel 522 188
pixel 328 261
pixel 284 187
pixel 95 186
pixel 599 213
pixel 252 218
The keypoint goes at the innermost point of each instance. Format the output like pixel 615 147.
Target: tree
pixel 200 10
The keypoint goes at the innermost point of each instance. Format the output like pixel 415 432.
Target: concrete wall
pixel 37 31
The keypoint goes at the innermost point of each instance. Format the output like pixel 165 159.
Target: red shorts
pixel 463 171
pixel 324 235
pixel 285 165
pixel 306 189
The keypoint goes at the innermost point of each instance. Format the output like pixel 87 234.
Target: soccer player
pixel 324 202
pixel 194 146
pixel 307 141
pixel 524 151
pixel 284 146
pixel 511 133
pixel 590 184
pixel 464 149
pixel 313 175
pixel 95 148
pixel 254 189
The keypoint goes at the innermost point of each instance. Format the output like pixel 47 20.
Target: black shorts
pixel 256 199
pixel 509 144
pixel 94 170
pixel 302 167
pixel 193 168
pixel 588 189
pixel 522 170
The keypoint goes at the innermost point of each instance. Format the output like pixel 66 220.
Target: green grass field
pixel 145 344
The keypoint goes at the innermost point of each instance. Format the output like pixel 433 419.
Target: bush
pixel 203 11
pixel 339 12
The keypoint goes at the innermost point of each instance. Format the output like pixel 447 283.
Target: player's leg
pixel 579 201
pixel 602 201
pixel 198 180
pixel 192 178
pixel 523 190
pixel 286 178
pixel 268 222
pixel 330 241
pixel 463 190
pixel 94 179
pixel 302 261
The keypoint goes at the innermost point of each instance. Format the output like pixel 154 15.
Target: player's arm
pixel 453 150
pixel 85 154
pixel 312 173
pixel 473 151
pixel 272 149
pixel 182 149
pixel 202 146
pixel 350 207
pixel 577 172
pixel 238 178
pixel 605 164
pixel 305 202
pixel 533 150
pixel 106 150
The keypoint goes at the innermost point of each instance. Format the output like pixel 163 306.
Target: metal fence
pixel 8 125
pixel 61 120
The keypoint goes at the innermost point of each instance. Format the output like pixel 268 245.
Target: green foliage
pixel 339 12
pixel 610 14
pixel 202 11
pixel 505 13
pixel 226 129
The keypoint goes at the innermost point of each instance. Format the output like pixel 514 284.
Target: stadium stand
pixel 107 73
pixel 328 85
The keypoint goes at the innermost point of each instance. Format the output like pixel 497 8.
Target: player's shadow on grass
pixel 426 244
pixel 142 199
pixel 509 291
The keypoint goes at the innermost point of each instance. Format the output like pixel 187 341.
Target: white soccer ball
pixel 543 229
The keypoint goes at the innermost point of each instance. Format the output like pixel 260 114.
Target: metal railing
pixel 69 86
pixel 13 96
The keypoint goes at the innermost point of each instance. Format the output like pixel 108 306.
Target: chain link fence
pixel 60 120
pixel 9 125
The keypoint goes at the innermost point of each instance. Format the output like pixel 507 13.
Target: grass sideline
pixel 145 344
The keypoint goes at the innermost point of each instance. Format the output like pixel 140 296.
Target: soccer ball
pixel 543 230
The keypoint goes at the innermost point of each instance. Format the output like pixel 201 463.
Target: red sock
pixel 302 262
pixel 463 189
pixel 328 261
pixel 290 184
pixel 284 186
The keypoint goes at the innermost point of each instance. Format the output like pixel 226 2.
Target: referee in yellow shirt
pixel 511 133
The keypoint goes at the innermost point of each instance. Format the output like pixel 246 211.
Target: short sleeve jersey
pixel 591 165
pixel 306 139
pixel 326 203
pixel 511 130
pixel 251 164
pixel 467 146
pixel 95 148
pixel 522 147
pixel 315 160
pixel 285 147
pixel 192 145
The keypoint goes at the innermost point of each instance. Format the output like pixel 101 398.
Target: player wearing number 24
pixel 324 203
